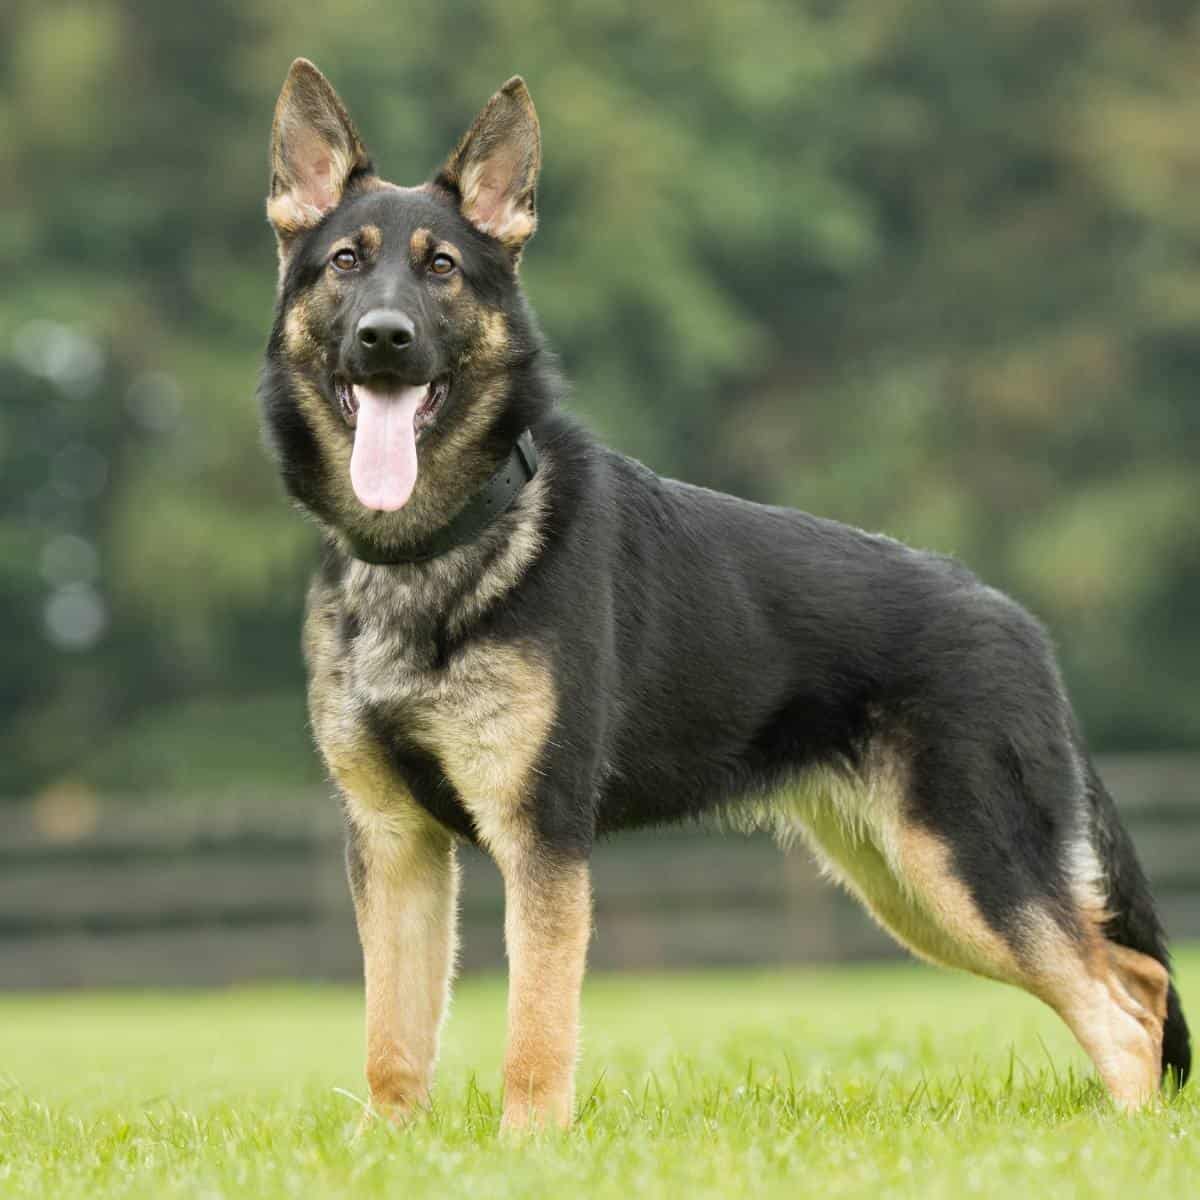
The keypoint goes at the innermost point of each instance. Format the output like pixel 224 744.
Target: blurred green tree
pixel 929 269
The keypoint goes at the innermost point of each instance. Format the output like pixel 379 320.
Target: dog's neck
pixel 415 607
pixel 481 509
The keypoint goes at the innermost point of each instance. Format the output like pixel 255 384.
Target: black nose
pixel 384 335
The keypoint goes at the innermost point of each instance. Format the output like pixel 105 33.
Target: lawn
pixel 882 1081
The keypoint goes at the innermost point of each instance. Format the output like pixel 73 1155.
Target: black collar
pixel 495 497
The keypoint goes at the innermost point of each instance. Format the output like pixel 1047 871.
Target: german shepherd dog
pixel 524 639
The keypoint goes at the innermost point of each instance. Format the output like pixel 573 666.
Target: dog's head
pixel 398 364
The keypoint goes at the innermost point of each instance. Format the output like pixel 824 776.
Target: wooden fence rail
pixel 101 893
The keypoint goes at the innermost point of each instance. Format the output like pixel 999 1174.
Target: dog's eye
pixel 344 260
pixel 441 264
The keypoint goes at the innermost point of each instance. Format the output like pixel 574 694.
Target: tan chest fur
pixel 485 715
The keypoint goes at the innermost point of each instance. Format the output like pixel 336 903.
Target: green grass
pixel 885 1081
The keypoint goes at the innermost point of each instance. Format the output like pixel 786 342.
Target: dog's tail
pixel 1134 921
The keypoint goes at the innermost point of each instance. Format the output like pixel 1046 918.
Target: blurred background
pixel 931 269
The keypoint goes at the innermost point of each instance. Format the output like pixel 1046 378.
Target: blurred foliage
pixel 928 268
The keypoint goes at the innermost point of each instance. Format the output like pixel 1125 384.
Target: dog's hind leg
pixel 1113 999
pixel 955 887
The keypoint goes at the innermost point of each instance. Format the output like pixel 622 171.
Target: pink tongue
pixel 383 466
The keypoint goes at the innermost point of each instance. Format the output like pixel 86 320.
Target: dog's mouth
pixel 436 392
pixel 387 419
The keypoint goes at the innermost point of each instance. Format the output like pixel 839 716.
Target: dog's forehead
pixel 396 212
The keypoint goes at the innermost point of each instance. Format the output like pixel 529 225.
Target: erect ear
pixel 315 150
pixel 494 170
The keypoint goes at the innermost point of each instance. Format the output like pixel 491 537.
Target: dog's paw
pixel 387 1115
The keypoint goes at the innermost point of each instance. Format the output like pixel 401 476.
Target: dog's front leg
pixel 404 875
pixel 547 923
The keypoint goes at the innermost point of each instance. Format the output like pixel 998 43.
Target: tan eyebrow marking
pixel 371 238
pixel 367 241
pixel 419 244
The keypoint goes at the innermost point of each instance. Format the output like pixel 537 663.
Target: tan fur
pixel 546 928
pixel 487 201
pixel 1112 999
pixel 495 167
pixel 338 733
pixel 406 923
pixel 314 151
pixel 1143 978
pixel 365 242
pixel 421 246
pixel 304 348
pixel 960 934
pixel 489 346
pixel 488 725
pixel 327 425
pixel 418 245
pixel 406 907
pixel 855 823
pixel 370 239
pixel 486 715
pixel 506 569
